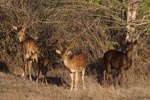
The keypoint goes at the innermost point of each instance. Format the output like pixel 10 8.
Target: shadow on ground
pixel 97 68
pixel 4 67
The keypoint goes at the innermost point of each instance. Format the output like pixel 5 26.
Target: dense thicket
pixel 92 26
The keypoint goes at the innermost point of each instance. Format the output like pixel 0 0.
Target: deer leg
pixel 83 72
pixel 34 69
pixel 45 80
pixel 25 69
pixel 126 74
pixel 76 80
pixel 115 80
pixel 42 80
pixel 104 78
pixel 72 80
pixel 38 76
pixel 120 78
pixel 115 74
pixel 126 77
pixel 30 68
pixel 37 79
pixel 108 74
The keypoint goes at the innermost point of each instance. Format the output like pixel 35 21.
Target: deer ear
pixel 23 29
pixel 58 51
pixel 69 54
pixel 15 28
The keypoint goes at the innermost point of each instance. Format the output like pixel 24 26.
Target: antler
pixel 59 46
pixel 27 20
pixel 71 45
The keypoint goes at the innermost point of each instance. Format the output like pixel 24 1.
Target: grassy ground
pixel 14 88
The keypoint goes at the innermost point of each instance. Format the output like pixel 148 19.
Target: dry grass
pixel 14 88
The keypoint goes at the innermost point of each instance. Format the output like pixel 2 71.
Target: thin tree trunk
pixel 131 16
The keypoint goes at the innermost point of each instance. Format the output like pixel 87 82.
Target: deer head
pixel 20 30
pixel 130 45
pixel 64 52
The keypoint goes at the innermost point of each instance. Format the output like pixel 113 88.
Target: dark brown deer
pixel 42 69
pixel 75 63
pixel 117 60
pixel 29 48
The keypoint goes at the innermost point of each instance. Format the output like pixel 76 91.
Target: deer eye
pixel 21 31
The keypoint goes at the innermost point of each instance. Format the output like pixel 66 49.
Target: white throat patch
pixel 65 62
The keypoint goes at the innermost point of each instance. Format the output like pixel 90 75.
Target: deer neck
pixel 129 56
pixel 66 60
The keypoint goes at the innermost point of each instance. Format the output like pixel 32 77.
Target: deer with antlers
pixel 74 62
pixel 118 60
pixel 29 48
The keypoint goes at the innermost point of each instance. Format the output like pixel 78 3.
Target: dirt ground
pixel 13 87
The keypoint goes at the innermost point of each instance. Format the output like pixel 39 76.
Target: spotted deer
pixel 29 48
pixel 118 60
pixel 74 62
